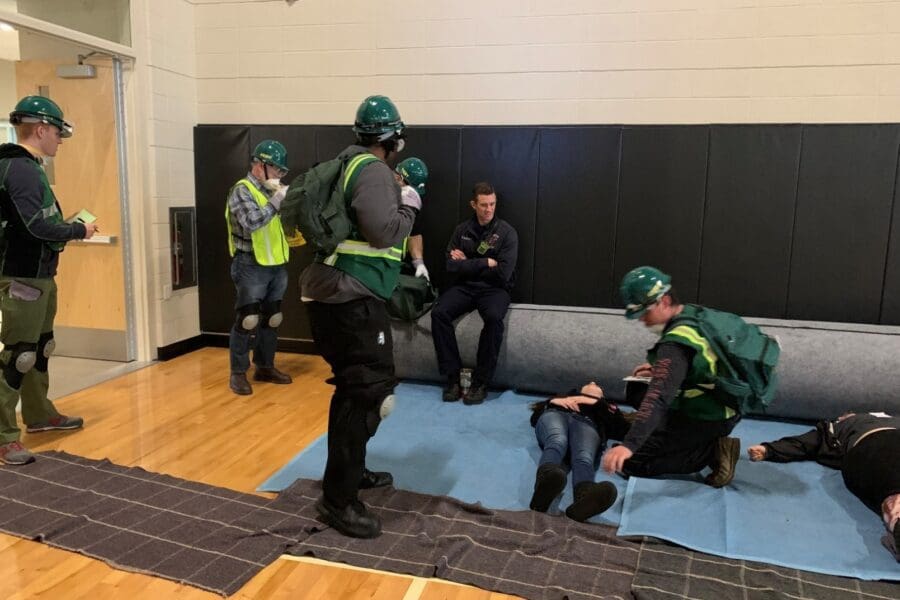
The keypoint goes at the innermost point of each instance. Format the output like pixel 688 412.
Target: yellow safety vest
pixel 270 248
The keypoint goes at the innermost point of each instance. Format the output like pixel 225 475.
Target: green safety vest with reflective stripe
pixel 376 268
pixel 695 399
pixel 270 248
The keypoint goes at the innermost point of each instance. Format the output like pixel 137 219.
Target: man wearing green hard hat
pixel 681 425
pixel 32 234
pixel 259 253
pixel 344 294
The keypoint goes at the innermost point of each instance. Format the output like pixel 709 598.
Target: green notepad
pixel 83 216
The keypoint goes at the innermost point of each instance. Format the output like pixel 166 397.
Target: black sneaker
pixel 375 479
pixel 476 394
pixel 452 392
pixel 548 484
pixel 354 520
pixel 591 499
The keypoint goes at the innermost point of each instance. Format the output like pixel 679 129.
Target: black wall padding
pixel 507 157
pixel 661 196
pixel 778 221
pixel 221 157
pixel 438 147
pixel 845 197
pixel 890 296
pixel 750 199
pixel 576 216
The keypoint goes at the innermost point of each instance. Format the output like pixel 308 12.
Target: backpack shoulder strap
pixel 352 169
pixel 690 327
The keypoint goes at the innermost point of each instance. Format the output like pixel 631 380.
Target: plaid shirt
pixel 246 215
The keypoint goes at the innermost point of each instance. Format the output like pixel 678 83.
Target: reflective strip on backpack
pixel 690 334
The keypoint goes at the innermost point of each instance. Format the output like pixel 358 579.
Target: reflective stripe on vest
pixel 360 248
pixel 270 247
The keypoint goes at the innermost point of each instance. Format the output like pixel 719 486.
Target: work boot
pixel 354 520
pixel 57 423
pixel 375 479
pixel 452 392
pixel 725 457
pixel 549 482
pixel 591 499
pixel 475 394
pixel 14 453
pixel 239 384
pixel 272 375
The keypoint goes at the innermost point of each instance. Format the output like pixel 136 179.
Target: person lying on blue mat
pixel 866 448
pixel 576 426
pixel 680 427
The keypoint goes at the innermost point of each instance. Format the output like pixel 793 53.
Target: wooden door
pixel 91 320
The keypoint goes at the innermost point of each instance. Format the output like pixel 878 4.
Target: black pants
pixel 355 339
pixel 491 304
pixel 681 445
pixel 871 468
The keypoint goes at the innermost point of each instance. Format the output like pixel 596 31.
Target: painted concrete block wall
pixel 170 115
pixel 543 62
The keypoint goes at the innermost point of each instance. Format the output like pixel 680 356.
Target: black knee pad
pixel 45 347
pixel 22 358
pixel 248 317
pixel 270 314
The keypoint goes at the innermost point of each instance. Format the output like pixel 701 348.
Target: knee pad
pixel 248 318
pixel 46 346
pixel 271 314
pixel 22 359
pixel 386 407
pixel 379 412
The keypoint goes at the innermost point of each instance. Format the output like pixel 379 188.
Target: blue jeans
pixel 560 433
pixel 255 285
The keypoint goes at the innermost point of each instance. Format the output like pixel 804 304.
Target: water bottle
pixel 465 379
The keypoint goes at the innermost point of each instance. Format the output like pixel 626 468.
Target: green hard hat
pixel 641 287
pixel 377 116
pixel 38 109
pixel 414 172
pixel 272 153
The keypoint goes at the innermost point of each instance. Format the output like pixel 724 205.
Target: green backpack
pixel 746 378
pixel 412 298
pixel 316 202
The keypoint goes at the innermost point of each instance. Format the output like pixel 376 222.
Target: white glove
pixel 410 197
pixel 278 197
pixel 421 269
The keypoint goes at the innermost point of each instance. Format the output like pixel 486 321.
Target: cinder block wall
pixel 543 62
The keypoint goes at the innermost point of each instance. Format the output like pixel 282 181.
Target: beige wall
pixel 540 61
pixel 8 93
pixel 166 110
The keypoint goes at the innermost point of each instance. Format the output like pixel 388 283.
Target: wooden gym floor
pixel 180 418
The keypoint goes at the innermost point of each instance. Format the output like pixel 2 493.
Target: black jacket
pixel 828 442
pixel 497 240
pixel 30 243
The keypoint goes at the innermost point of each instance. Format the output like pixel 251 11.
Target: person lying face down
pixel 865 448
pixel 573 430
